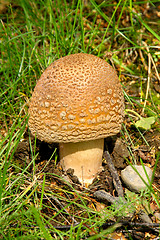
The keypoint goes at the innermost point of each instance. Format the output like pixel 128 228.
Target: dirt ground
pixel 118 150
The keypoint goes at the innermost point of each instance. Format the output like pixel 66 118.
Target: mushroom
pixel 77 102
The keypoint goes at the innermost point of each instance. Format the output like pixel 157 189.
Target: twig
pixel 158 77
pixel 65 227
pixel 133 76
pixel 149 76
pixel 134 224
pixel 62 207
pixel 105 196
pixel 142 59
pixel 143 226
pixel 56 208
pixel 154 65
pixel 116 180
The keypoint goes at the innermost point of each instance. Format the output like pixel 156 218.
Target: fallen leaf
pixel 145 123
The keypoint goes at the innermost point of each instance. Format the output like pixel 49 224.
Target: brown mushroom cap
pixel 77 98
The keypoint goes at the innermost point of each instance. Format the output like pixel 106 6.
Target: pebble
pixel 157 216
pixel 132 180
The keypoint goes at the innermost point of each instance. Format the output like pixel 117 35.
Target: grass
pixel 34 34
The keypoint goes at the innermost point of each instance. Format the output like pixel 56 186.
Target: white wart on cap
pixel 77 102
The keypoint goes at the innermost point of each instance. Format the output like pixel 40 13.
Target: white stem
pixel 84 157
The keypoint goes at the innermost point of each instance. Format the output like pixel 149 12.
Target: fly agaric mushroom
pixel 77 102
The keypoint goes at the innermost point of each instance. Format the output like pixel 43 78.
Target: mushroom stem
pixel 84 157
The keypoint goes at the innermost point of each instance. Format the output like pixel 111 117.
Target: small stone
pixel 67 179
pixel 132 179
pixel 144 217
pixel 157 216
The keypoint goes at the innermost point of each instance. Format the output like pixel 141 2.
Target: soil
pixel 117 148
pixel 56 177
